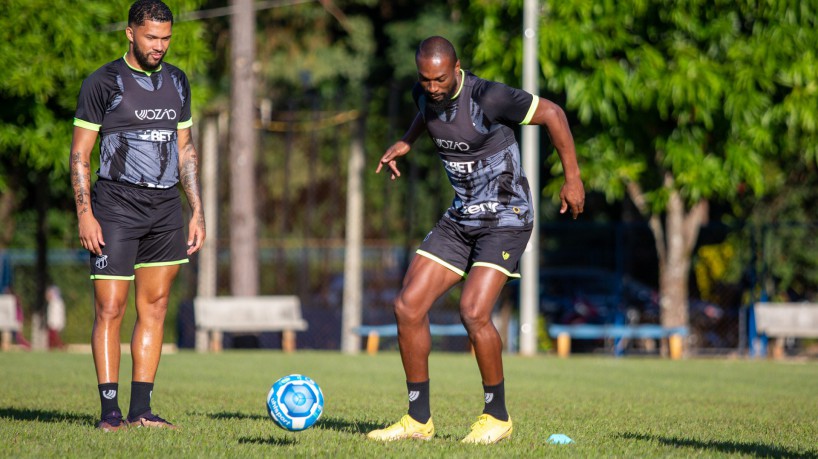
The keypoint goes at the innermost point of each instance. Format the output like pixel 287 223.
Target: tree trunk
pixel 674 247
pixel 8 205
pixel 244 269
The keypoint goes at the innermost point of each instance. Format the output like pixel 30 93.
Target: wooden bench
pixel 373 333
pixel 8 320
pixel 785 320
pixel 252 314
pixel 564 334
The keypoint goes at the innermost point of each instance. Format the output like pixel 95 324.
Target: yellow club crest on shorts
pixel 505 255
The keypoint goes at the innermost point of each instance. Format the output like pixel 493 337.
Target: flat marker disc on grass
pixel 559 439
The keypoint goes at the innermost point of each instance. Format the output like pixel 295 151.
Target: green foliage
pixel 311 46
pixel 708 91
pixel 782 231
pixel 627 407
pixel 496 48
pixel 49 49
pixel 405 36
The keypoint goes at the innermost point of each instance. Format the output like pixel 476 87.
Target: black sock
pixel 140 398
pixel 495 397
pixel 419 401
pixel 108 393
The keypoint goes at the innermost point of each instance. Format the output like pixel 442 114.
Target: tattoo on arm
pixel 189 176
pixel 81 182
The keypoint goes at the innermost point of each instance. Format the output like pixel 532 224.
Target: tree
pixel 244 279
pixel 680 104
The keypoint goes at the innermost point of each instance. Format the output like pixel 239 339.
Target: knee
pixel 473 318
pixel 405 313
pixel 109 311
pixel 154 310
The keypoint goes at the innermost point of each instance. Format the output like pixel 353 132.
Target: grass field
pixel 629 407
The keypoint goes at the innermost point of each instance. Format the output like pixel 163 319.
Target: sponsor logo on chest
pixel 152 114
pixel 460 167
pixel 452 145
pixel 157 135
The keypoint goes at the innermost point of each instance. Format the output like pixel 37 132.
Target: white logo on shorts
pixel 489 397
pixel 413 395
pixel 109 394
pixel 102 262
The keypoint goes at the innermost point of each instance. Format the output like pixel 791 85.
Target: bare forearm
pixel 189 178
pixel 554 119
pixel 80 167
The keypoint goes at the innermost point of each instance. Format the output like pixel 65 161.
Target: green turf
pixel 629 407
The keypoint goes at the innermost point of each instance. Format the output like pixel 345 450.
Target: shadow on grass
pixel 26 414
pixel 751 449
pixel 344 425
pixel 236 415
pixel 273 441
pixel 325 423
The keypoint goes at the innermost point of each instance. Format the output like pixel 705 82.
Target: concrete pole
pixel 530 263
pixel 208 265
pixel 353 262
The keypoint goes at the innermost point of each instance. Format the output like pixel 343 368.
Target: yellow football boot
pixel 488 430
pixel 405 428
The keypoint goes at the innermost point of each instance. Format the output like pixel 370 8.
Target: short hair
pixel 149 10
pixel 436 46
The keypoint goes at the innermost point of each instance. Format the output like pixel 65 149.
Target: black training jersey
pixel 476 143
pixel 137 115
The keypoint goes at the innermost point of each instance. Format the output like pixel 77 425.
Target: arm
pixel 402 146
pixel 189 178
pixel 90 232
pixel 551 116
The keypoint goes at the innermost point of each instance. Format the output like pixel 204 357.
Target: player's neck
pixel 131 61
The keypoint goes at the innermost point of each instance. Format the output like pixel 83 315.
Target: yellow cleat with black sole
pixel 407 427
pixel 488 430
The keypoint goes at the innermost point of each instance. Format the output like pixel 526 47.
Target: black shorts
pixel 459 247
pixel 141 227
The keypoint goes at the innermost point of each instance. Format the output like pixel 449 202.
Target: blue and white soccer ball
pixel 295 402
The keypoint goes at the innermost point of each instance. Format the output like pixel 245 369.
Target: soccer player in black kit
pixel 131 221
pixel 482 236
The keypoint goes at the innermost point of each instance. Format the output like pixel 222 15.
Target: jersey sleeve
pixel 504 104
pixel 92 102
pixel 185 118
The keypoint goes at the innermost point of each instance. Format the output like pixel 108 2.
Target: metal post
pixel 529 267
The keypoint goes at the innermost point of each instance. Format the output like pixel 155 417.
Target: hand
pixel 91 234
pixel 397 150
pixel 196 234
pixel 572 195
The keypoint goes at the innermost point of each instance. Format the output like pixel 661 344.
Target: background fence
pixel 591 273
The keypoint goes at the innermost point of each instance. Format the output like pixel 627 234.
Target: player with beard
pixel 479 240
pixel 131 222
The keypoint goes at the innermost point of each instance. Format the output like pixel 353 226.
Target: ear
pixel 129 33
pixel 457 66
